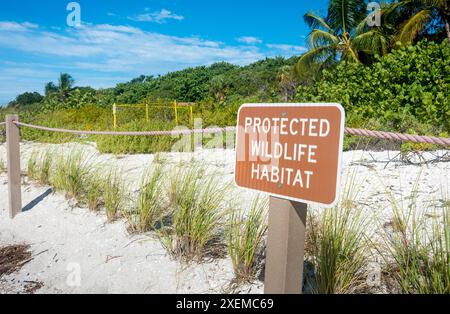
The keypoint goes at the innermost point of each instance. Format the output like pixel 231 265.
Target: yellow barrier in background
pixel 175 106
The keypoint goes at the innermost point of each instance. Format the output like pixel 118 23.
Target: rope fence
pixel 356 132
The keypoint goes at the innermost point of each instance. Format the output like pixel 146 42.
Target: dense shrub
pixel 407 90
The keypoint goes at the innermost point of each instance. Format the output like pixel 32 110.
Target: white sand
pixel 67 240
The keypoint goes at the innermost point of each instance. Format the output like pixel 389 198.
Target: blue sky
pixel 119 40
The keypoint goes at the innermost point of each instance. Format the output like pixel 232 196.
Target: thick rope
pixel 137 133
pixel 358 132
pixel 399 137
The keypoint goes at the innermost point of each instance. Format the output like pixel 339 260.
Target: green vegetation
pixel 419 250
pixel 196 214
pixel 407 90
pixel 95 188
pixel 39 166
pixel 337 250
pixel 337 245
pixel 70 173
pixel 114 194
pixel 149 208
pixel 392 77
pixel 245 239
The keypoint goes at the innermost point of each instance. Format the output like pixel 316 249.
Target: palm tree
pixel 420 15
pixel 286 82
pixel 66 82
pixel 50 88
pixel 332 36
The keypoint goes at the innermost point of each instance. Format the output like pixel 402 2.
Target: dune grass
pixel 245 235
pixel 39 166
pixel 2 166
pixel 418 252
pixel 70 172
pixel 149 207
pixel 114 194
pixel 94 188
pixel 197 215
pixel 337 245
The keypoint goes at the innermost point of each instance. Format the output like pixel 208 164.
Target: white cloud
pixel 287 49
pixel 126 48
pixel 17 27
pixel 103 54
pixel 157 16
pixel 249 40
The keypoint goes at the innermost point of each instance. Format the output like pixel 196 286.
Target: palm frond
pixel 315 21
pixel 372 42
pixel 411 28
pixel 318 38
pixel 345 15
pixel 314 56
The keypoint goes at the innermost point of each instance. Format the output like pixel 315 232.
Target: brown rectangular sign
pixel 293 151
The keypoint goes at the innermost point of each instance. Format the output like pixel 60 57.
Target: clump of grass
pixel 338 251
pixel 114 194
pixel 32 166
pixel 245 237
pixel 337 245
pixel 39 166
pixel 70 173
pixel 420 250
pixel 94 189
pixel 2 166
pixel 196 215
pixel 149 207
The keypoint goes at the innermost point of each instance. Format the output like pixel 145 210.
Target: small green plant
pixel 114 194
pixel 70 173
pixel 245 237
pixel 149 207
pixel 94 189
pixel 338 251
pixel 419 251
pixel 39 166
pixel 196 214
pixel 32 167
pixel 45 167
pixel 2 166
pixel 337 244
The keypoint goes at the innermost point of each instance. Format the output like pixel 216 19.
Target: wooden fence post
pixel 115 116
pixel 176 111
pixel 13 161
pixel 285 247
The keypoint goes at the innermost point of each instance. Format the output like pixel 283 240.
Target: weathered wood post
pixel 285 247
pixel 13 161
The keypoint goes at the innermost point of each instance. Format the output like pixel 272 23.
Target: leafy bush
pixel 407 90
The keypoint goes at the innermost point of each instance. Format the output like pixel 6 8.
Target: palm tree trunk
pixel 447 28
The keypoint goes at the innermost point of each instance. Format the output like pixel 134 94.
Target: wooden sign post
pixel 293 152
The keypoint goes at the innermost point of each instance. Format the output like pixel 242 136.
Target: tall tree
pixel 50 88
pixel 66 82
pixel 286 82
pixel 331 37
pixel 345 34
